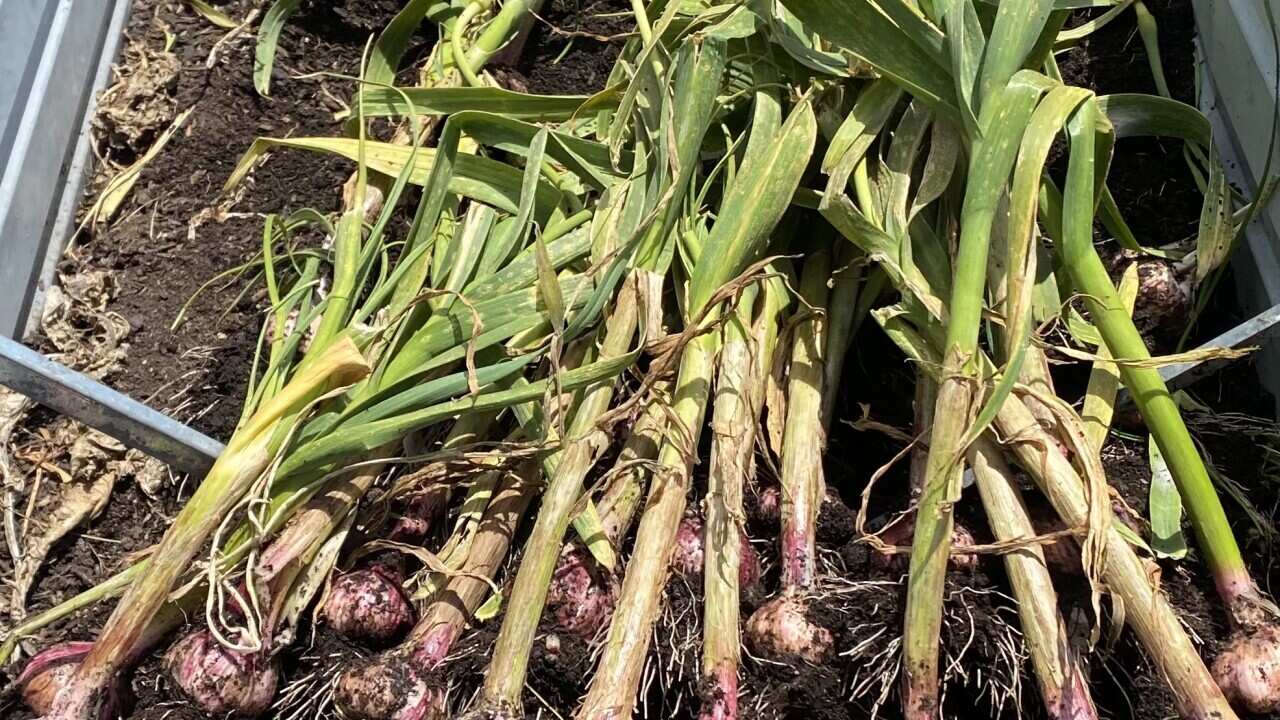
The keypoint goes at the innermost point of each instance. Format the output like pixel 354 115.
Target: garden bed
pixel 178 232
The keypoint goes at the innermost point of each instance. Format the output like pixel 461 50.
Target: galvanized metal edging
pixel 98 406
pixel 55 55
pixel 1237 92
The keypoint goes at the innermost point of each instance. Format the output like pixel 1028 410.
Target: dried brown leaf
pixel 95 460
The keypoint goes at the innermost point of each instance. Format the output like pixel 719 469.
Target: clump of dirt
pixel 465 667
pixel 560 669
pixel 128 524
pixel 837 522
pixel 560 666
pixel 337 16
pixel 313 663
pixel 154 694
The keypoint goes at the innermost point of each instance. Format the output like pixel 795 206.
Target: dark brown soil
pixel 129 524
pixel 161 255
pixel 874 377
pixel 560 667
pixel 559 670
pixel 573 44
pixel 1149 177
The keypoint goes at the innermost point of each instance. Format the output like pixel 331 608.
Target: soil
pixel 168 243
pixel 128 525
pixel 573 44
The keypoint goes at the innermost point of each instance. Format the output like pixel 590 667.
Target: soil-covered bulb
pixel 220 680
pixel 1163 304
pixel 388 688
pixel 781 630
pixel 1248 669
pixel 580 599
pixel 368 605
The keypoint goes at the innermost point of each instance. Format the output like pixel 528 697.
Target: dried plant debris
pixel 119 186
pixel 43 499
pixel 13 408
pixel 97 461
pixel 133 111
pixel 84 335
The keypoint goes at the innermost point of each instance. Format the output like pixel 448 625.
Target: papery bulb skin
pixel 390 687
pixel 768 510
pixel 781 630
pixel 720 694
pixel 222 681
pixel 901 534
pixel 689 558
pixel 48 673
pixel 369 606
pixel 961 537
pixel 40 692
pixel 748 564
pixel 1248 669
pixel 421 513
pixel 579 599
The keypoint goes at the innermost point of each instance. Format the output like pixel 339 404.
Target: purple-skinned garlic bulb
pixel 221 680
